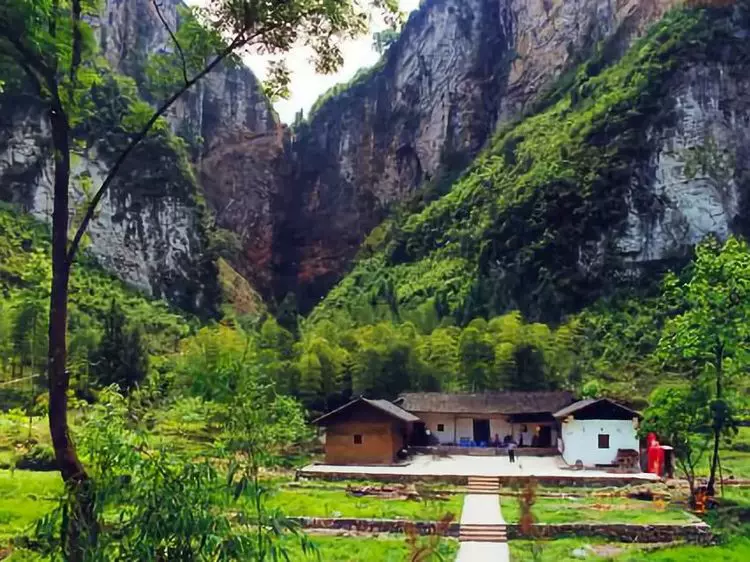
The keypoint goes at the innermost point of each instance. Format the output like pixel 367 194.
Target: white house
pixel 484 419
pixel 594 430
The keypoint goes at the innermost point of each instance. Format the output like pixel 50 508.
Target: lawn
pixel 24 497
pixel 337 503
pixel 597 510
pixel 565 550
pixel 384 548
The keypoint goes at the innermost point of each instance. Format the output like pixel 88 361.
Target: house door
pixel 419 434
pixel 545 436
pixel 482 431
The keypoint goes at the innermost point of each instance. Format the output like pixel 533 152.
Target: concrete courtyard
pixel 467 465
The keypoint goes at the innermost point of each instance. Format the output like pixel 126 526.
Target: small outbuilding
pixel 366 432
pixel 598 432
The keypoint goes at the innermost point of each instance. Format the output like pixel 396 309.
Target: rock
pixel 459 70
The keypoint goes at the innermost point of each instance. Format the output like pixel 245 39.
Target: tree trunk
pixel 81 522
pixel 717 426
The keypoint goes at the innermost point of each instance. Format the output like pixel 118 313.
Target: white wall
pixel 581 440
pixel 431 422
pixel 464 428
pixel 500 427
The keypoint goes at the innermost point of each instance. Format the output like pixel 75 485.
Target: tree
pixel 477 357
pixel 121 357
pixel 53 44
pixel 710 335
pixel 382 40
pixel 681 417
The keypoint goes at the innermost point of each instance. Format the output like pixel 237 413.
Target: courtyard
pixel 434 466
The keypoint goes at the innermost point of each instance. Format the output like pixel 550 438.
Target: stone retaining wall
pixel 697 533
pixel 372 525
pixel 579 479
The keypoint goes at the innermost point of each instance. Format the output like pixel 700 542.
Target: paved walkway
pixel 466 465
pixel 483 510
pixel 483 552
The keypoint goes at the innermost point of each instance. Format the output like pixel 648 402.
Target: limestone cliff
pixel 236 137
pixel 152 229
pixel 614 175
pixel 460 69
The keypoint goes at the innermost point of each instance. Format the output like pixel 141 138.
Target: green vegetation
pixel 360 549
pixel 25 496
pixel 597 510
pixel 562 550
pixel 331 503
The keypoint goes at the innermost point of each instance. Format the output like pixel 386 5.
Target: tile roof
pixel 384 406
pixel 581 404
pixel 486 402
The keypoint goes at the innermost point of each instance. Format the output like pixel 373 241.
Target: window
pixel 604 441
pixel 441 427
pixel 357 439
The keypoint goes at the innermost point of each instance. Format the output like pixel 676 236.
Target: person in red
pixel 655 455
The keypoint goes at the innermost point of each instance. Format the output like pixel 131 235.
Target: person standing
pixel 512 451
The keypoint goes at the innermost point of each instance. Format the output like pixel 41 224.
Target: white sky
pixel 306 84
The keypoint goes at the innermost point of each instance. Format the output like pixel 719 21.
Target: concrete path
pixel 467 465
pixel 482 509
pixel 481 515
pixel 483 552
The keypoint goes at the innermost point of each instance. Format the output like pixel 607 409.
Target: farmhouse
pixel 366 432
pixel 487 418
pixel 593 432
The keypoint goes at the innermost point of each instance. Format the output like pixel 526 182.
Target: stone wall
pixel 698 533
pixel 373 525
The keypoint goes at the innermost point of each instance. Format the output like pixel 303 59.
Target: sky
pixel 306 84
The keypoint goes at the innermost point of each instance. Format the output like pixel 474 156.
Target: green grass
pixel 597 510
pixel 561 550
pixel 376 549
pixel 735 550
pixel 25 496
pixel 333 503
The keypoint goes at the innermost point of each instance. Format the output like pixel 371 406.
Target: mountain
pixel 614 175
pixel 460 69
pixel 502 154
pixel 154 228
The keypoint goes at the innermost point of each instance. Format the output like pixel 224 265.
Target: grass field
pixel 24 497
pixel 597 510
pixel 391 548
pixel 337 503
pixel 565 550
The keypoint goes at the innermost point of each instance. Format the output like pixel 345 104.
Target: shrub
pixel 39 457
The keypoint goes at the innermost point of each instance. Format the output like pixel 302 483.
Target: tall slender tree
pixel 52 43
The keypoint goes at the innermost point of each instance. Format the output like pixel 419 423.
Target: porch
pixel 486 434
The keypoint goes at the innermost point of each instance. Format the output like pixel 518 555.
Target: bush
pixel 39 457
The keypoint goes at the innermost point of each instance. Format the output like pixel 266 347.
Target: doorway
pixel 545 436
pixel 481 431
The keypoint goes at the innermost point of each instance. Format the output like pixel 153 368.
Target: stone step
pixel 479 537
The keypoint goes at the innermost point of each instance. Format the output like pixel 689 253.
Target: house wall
pixel 431 422
pixel 580 440
pixel 380 442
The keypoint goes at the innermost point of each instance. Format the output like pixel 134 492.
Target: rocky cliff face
pixel 236 137
pixel 459 69
pixel 148 229
pixel 700 171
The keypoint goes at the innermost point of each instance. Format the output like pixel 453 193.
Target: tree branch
pixel 157 5
pixel 236 43
pixel 77 41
